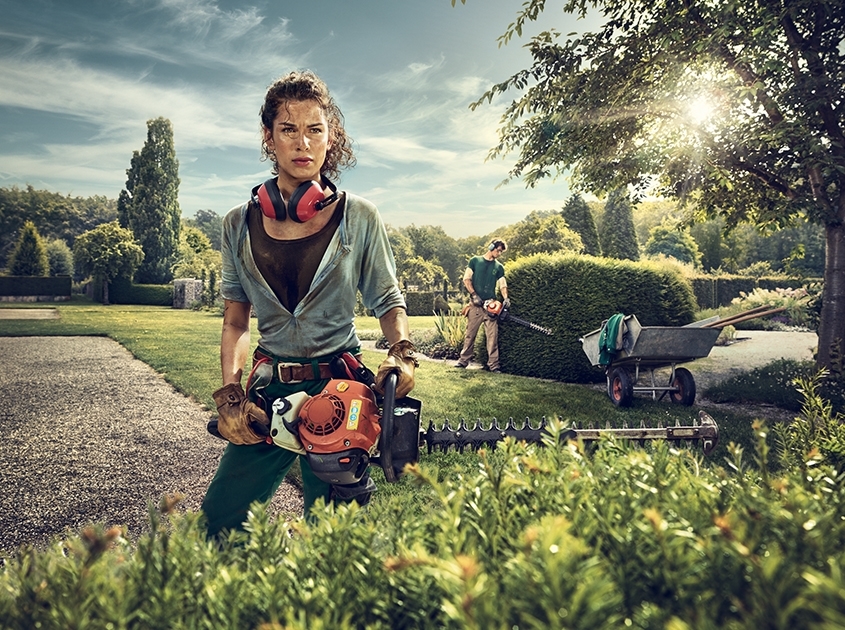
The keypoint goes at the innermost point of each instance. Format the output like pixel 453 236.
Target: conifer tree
pixel 618 237
pixel 580 219
pixel 29 258
pixel 149 205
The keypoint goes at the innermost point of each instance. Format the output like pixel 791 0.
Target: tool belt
pixel 288 372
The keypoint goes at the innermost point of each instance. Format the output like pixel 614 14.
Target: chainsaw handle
pixel 385 441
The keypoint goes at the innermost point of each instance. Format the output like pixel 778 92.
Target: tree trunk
pixel 105 291
pixel 832 325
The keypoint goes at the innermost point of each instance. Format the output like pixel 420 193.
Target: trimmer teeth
pixel 482 434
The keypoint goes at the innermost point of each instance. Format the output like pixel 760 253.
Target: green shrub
pixel 529 537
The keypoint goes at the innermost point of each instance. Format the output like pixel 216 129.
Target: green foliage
pixel 618 237
pixel 572 295
pixel 149 204
pixel 196 258
pixel 672 241
pixel 422 302
pixel 29 257
pixel 818 434
pixel 452 327
pixel 108 251
pixel 56 216
pixel 540 233
pixel 60 257
pixel 433 245
pixel 578 217
pixel 209 223
pixel 528 536
pixel 124 291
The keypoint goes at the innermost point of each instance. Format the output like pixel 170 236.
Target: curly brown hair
pixel 304 86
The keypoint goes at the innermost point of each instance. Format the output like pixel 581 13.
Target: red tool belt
pixel 295 372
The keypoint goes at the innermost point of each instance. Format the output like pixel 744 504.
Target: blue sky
pixel 79 79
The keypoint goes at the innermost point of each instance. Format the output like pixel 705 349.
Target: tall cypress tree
pixel 618 236
pixel 578 217
pixel 149 205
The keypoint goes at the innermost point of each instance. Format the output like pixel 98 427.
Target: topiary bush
pixel 572 295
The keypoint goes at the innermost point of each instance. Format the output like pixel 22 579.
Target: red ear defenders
pixel 305 202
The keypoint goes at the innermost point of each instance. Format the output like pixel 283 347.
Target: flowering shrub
pixel 795 301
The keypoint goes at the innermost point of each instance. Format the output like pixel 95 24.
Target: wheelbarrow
pixel 648 348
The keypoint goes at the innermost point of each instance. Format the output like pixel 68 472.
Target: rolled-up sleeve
pixel 230 283
pixel 378 285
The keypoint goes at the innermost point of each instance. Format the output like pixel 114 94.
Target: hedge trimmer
pixel 346 428
pixel 496 310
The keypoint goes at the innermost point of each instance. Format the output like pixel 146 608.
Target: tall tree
pixel 29 258
pixel 735 105
pixel 149 205
pixel 107 252
pixel 618 236
pixel 580 219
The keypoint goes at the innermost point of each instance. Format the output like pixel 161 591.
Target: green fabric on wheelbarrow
pixel 610 338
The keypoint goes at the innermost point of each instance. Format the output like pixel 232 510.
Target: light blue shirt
pixel 358 257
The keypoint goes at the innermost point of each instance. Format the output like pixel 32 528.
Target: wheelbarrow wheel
pixel 684 385
pixel 620 387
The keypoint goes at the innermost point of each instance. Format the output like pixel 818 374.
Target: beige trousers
pixel 476 316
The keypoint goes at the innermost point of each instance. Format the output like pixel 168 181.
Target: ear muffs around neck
pixel 305 202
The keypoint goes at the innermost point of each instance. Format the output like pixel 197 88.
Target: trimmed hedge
pixel 572 295
pixel 19 286
pixel 424 303
pixel 123 291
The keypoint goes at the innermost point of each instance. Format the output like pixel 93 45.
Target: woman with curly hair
pixel 296 255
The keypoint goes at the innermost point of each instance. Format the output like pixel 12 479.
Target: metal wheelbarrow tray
pixel 650 348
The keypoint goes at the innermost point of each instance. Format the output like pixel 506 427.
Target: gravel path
pixel 90 434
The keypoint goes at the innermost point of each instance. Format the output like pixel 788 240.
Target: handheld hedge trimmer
pixel 496 310
pixel 346 428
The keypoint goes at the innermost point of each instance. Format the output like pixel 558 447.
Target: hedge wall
pixel 19 286
pixel 123 291
pixel 572 295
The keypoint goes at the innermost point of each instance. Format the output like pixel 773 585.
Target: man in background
pixel 483 276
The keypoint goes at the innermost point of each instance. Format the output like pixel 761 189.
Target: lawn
pixel 183 346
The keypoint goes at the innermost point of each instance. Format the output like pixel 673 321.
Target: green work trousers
pixel 254 472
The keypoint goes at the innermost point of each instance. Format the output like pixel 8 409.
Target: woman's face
pixel 299 139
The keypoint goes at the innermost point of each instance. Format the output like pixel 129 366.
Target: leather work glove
pixel 506 303
pixel 477 301
pixel 402 359
pixel 241 421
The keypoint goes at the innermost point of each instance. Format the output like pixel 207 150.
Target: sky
pixel 80 79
